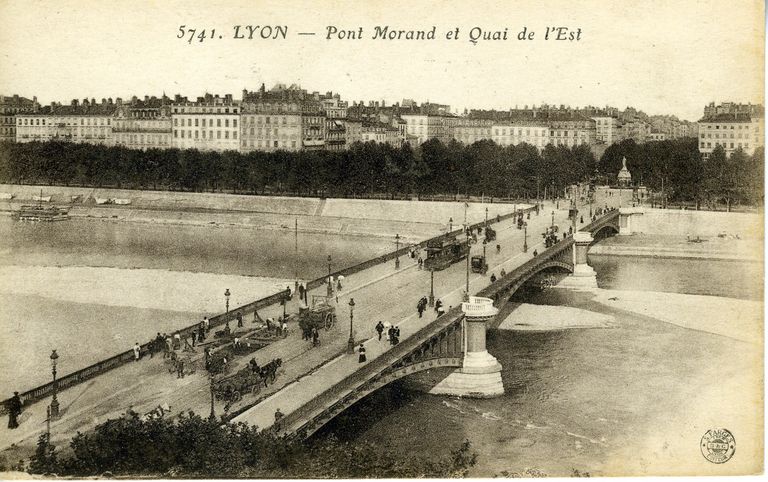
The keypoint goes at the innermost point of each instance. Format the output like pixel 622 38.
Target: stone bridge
pixel 455 339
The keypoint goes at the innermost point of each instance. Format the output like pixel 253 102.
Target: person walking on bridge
pixel 361 351
pixel 379 329
pixel 136 351
pixel 278 419
pixel 420 306
pixel 14 410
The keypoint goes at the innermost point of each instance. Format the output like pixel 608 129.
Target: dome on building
pixel 625 178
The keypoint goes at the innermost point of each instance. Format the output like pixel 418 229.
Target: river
pixel 578 400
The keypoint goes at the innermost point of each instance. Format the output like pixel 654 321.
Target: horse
pixel 270 370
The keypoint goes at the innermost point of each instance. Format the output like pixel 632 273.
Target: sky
pixel 663 57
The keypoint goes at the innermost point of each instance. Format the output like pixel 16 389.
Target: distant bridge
pixel 442 342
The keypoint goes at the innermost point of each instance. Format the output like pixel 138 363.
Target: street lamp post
pixel 226 297
pixel 431 287
pixel 553 219
pixel 469 250
pixel 397 251
pixel 486 219
pixel 330 286
pixel 351 341
pixel 212 416
pixel 525 237
pixel 54 400
pixel 450 225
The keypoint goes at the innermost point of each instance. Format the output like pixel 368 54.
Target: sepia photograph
pixel 387 239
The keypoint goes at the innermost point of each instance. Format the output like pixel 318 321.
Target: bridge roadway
pixel 380 293
pixel 394 300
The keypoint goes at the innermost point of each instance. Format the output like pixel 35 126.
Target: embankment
pixel 364 217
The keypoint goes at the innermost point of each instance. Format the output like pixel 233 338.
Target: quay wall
pixel 434 212
pixel 678 222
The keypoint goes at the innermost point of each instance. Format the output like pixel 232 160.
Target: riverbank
pixel 732 318
pixel 413 220
pixel 726 247
pixel 529 317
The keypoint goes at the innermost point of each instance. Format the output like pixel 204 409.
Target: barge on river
pixel 37 212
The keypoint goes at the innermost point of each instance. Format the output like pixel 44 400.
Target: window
pixel 218 134
pixel 175 133
pixel 226 122
pixel 203 134
pixel 196 123
pixel 218 122
pixel 234 135
pixel 196 132
pixel 234 122
pixel 182 134
pixel 175 121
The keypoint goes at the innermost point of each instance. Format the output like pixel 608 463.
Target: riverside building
pixel 212 123
pixel 10 106
pixel 732 126
pixel 87 122
pixel 143 124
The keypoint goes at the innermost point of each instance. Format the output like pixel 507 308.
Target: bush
pixel 193 446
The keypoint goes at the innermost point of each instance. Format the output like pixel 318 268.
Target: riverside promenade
pixel 380 292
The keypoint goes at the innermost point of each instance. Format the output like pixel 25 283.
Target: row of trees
pixel 432 168
pixel 677 168
pixel 194 447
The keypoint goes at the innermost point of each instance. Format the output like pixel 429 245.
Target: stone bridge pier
pixel 626 216
pixel 480 374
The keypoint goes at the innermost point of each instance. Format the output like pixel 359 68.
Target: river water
pixel 578 399
pixel 91 288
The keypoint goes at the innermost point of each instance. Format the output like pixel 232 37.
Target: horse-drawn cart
pixel 322 314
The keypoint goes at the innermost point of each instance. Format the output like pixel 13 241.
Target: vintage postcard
pixel 385 239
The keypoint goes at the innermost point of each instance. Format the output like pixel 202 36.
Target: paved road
pixel 380 293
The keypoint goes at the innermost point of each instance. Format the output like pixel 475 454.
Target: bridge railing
pixel 339 391
pixel 120 359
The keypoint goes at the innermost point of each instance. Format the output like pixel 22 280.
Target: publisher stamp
pixel 718 445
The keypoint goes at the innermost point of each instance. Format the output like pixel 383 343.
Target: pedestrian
pixel 201 334
pixel 582 219
pixel 179 367
pixel 493 278
pixel 284 329
pixel 240 319
pixel 278 419
pixel 420 308
pixel 338 284
pixel 290 293
pixel 498 248
pixel 301 291
pixel 361 351
pixel 315 337
pixel 421 263
pixel 397 335
pixel 440 310
pixel 157 345
pixel 14 410
pixel 503 273
pixel 176 341
pixel 391 335
pixel 136 351
pixel 379 329
pixel 535 253
pixel 438 304
pixel 194 338
pixel 254 365
pixel 236 343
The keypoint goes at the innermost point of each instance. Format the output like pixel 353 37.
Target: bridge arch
pixel 308 429
pixel 502 296
pixel 605 231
